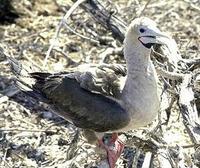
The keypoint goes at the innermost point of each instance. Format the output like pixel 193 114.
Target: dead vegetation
pixel 31 136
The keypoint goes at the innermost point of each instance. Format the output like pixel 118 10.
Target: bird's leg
pixel 114 149
pixel 114 137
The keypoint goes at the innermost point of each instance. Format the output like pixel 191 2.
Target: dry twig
pixel 64 20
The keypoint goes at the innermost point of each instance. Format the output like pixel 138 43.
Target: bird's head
pixel 144 32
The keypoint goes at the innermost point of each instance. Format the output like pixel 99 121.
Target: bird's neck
pixel 137 57
pixel 141 75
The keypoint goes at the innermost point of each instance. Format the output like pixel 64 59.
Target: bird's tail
pixel 25 80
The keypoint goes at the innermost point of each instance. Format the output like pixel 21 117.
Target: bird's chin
pixel 144 38
pixel 148 45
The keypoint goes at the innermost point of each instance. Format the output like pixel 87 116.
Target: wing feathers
pixel 75 97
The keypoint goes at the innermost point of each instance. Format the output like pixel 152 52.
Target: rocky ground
pixel 32 136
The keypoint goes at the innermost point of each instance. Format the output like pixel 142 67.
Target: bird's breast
pixel 141 100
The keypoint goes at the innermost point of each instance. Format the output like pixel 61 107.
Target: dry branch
pixel 147 160
pixel 55 39
pixel 189 110
pixel 105 18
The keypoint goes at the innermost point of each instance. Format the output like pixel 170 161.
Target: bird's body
pixel 112 106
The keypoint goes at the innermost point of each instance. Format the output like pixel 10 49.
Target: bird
pixel 112 99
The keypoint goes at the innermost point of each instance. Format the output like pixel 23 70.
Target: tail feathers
pixel 27 81
pixel 23 78
pixel 15 66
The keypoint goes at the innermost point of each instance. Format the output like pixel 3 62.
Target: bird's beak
pixel 154 37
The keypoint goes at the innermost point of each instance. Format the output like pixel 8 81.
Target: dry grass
pixel 30 135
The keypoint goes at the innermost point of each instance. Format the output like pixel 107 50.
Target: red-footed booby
pixel 111 107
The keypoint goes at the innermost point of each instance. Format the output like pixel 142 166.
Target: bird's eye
pixel 142 30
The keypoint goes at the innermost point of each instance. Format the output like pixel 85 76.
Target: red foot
pixel 114 150
pixel 114 137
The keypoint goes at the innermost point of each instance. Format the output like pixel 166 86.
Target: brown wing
pixel 63 91
pixel 85 109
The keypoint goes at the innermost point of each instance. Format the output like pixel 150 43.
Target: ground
pixel 32 136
